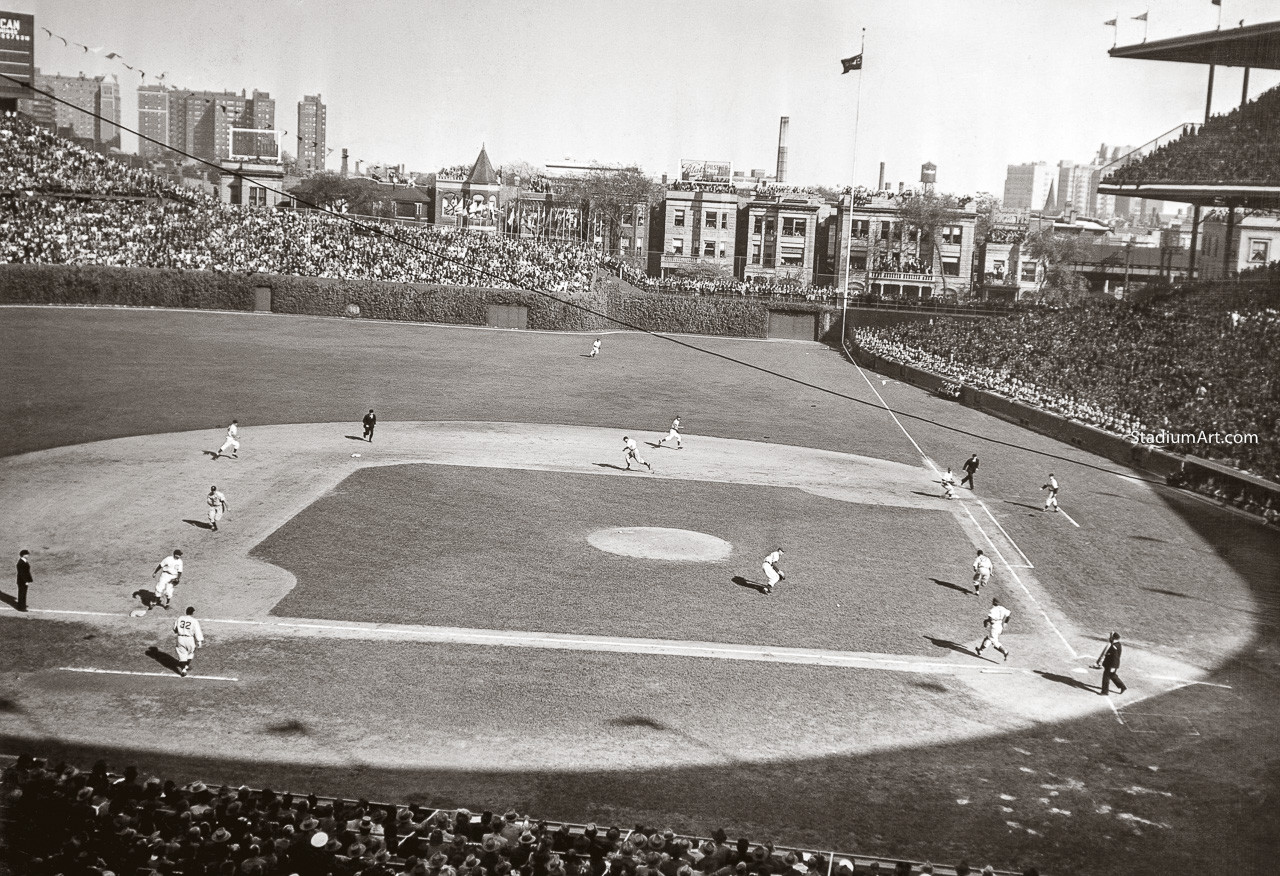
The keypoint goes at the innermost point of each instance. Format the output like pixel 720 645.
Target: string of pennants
pixel 110 56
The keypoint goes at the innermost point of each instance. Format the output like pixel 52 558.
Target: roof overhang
pixel 1202 195
pixel 1257 45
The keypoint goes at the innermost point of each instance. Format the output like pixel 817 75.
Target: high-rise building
pixel 1078 188
pixel 38 106
pixel 312 116
pixel 108 108
pixel 75 116
pixel 153 121
pixel 200 122
pixel 1028 186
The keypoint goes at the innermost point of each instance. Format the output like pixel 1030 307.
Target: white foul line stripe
pixel 1025 558
pixel 1007 565
pixel 149 674
pixel 1068 516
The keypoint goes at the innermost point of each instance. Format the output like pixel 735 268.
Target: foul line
pixel 148 674
pixel 1069 517
pixel 1007 564
pixel 1009 538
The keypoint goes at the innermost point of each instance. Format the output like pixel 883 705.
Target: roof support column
pixel 1208 98
pixel 1244 90
pixel 1226 247
pixel 1195 243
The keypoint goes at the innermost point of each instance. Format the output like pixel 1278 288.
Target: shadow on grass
pixel 612 466
pixel 1067 680
pixel 202 524
pixel 147 597
pixel 357 438
pixel 930 495
pixel 1022 505
pixel 941 583
pixel 750 585
pixel 637 721
pixel 212 454
pixel 9 706
pixel 1150 538
pixel 290 727
pixel 168 661
pixel 8 600
pixel 1164 592
pixel 953 646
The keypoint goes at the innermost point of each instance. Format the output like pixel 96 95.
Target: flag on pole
pixel 851 64
pixel 1111 23
pixel 1142 17
pixel 1216 2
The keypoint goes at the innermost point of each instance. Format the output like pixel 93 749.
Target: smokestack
pixel 782 149
pixel 880 185
pixel 344 164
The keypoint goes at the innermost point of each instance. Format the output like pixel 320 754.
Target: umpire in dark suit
pixel 970 469
pixel 370 420
pixel 1109 661
pixel 24 578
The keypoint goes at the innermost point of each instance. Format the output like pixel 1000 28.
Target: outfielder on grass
pixel 772 571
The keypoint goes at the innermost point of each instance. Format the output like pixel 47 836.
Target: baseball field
pixel 482 608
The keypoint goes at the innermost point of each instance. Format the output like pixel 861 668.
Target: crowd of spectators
pixel 716 286
pixel 138 220
pixel 33 159
pixel 64 822
pixel 900 262
pixel 1241 146
pixel 1183 364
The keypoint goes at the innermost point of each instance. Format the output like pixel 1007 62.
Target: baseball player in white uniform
pixel 673 435
pixel 595 349
pixel 772 573
pixel 233 440
pixel 190 637
pixel 948 485
pixel 629 447
pixel 217 504
pixel 170 572
pixel 981 572
pixel 1052 499
pixel 994 623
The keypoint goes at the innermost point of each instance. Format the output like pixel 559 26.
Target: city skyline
pixel 972 89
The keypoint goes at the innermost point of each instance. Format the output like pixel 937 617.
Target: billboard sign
pixel 254 143
pixel 17 54
pixel 705 171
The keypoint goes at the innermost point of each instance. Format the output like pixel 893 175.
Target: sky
pixel 971 86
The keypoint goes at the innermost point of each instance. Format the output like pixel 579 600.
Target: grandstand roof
pixel 1257 45
pixel 482 172
pixel 1254 197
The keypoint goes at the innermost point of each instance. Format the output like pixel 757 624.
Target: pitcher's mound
pixel 658 543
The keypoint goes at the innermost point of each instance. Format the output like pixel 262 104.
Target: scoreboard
pixel 17 55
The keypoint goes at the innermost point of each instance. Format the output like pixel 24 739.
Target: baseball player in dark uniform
pixel 24 578
pixel 1109 661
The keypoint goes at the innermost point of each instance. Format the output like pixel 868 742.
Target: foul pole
pixel 853 183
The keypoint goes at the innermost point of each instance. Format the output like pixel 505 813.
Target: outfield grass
pixel 507 549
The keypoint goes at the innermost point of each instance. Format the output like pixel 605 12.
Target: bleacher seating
pixel 1241 147
pixel 62 204
pixel 61 820
pixel 1182 364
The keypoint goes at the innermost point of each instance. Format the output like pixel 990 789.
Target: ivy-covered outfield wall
pixel 458 305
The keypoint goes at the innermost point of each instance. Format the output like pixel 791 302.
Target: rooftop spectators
pixel 1181 365
pixel 1242 147
pixel 46 220
pixel 64 821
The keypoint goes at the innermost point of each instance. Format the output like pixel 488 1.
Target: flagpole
pixel 848 237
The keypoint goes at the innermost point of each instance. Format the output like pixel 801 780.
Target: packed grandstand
pixel 1241 147
pixel 64 204
pixel 61 820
